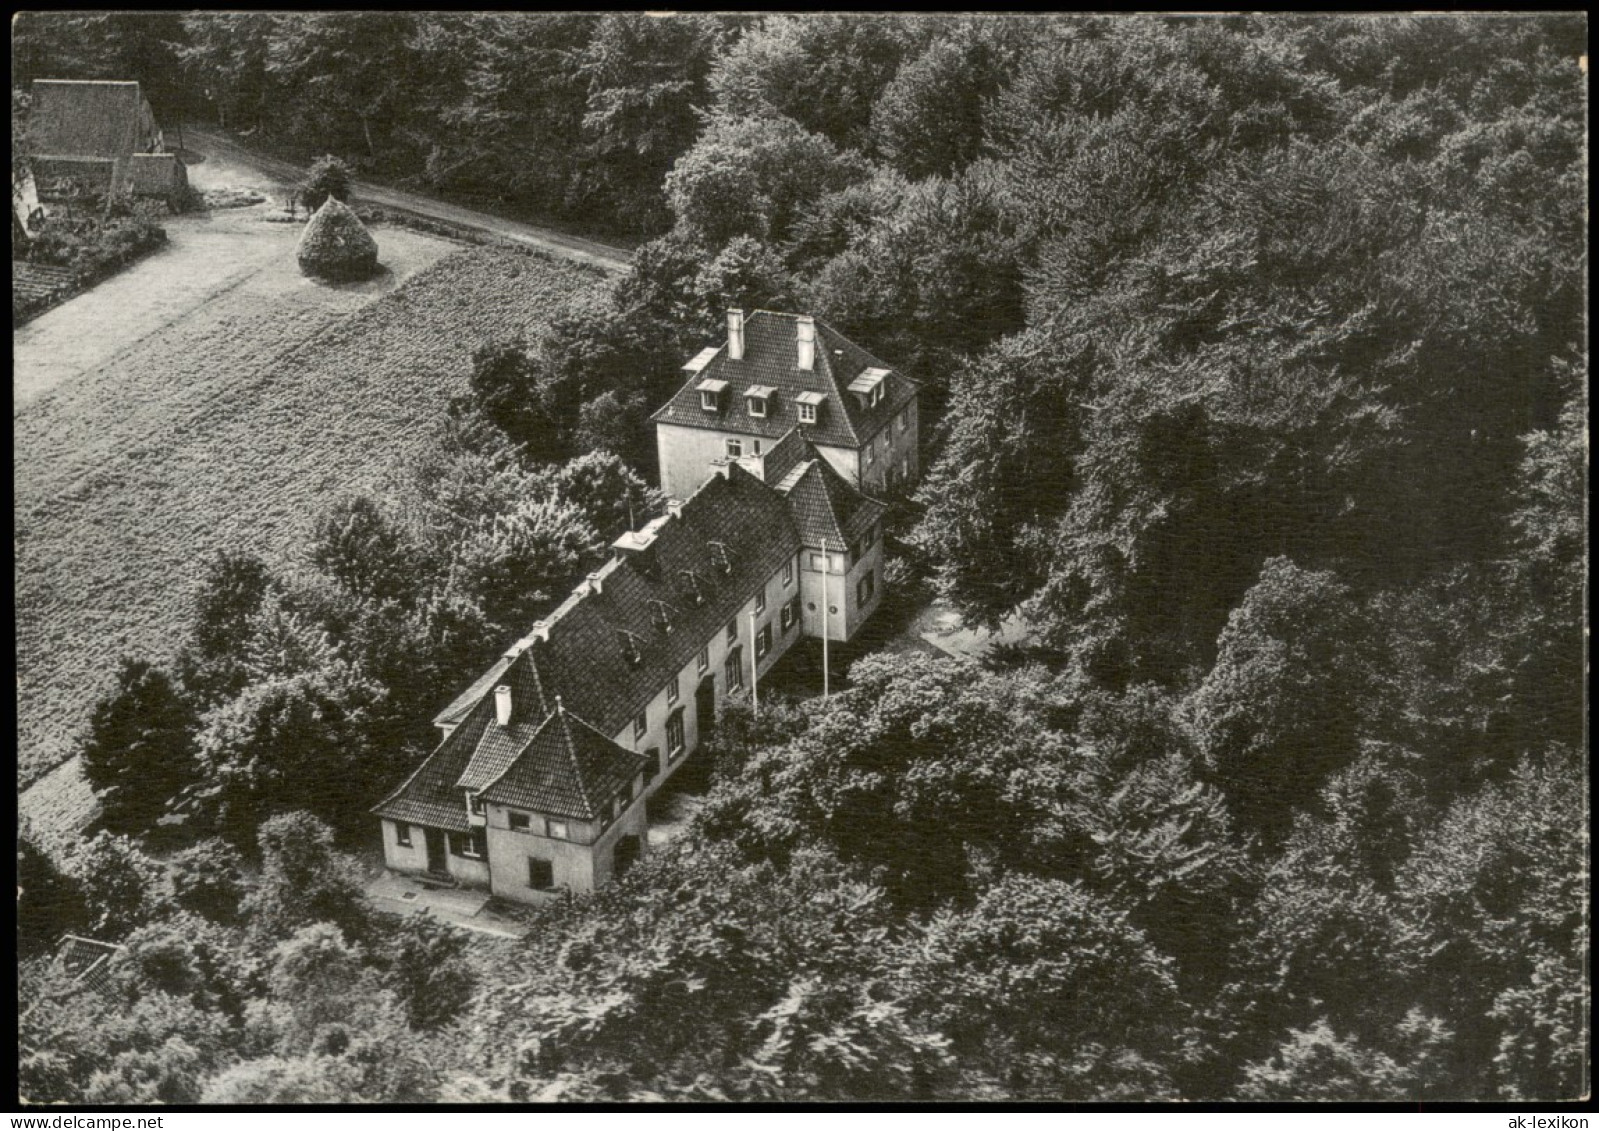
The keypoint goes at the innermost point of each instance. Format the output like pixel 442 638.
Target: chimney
pixel 735 335
pixel 807 342
pixel 541 630
pixel 674 507
pixel 502 704
pixel 594 583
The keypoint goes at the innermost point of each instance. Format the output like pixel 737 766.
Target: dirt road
pixel 614 259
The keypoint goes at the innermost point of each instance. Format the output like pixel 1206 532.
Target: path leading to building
pixel 614 259
pixel 407 895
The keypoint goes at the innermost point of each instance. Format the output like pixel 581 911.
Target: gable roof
pixel 567 768
pixel 771 359
pixel 86 119
pixel 827 510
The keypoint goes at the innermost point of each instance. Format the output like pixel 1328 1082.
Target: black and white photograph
pixel 731 558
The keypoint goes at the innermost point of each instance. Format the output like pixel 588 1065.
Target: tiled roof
pixel 498 746
pixel 84 119
pixel 771 358
pixel 783 456
pixel 733 523
pixel 430 796
pixel 826 507
pixel 605 654
pixel 568 769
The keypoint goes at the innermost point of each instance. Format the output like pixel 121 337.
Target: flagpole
pixel 755 674
pixel 827 566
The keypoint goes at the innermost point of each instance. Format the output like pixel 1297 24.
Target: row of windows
pixel 641 721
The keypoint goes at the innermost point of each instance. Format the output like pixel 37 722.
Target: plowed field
pixel 229 428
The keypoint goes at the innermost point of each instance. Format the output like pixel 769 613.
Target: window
pixel 476 803
pixel 763 641
pixel 707 400
pixel 757 405
pixel 788 615
pixel 788 572
pixel 735 448
pixel 807 413
pixel 871 454
pixel 674 733
pixel 540 874
pixel 559 831
pixel 867 587
pixel 402 834
pixel 905 467
pixel 755 446
pixel 472 845
pixel 653 766
pixel 671 690
pixel 618 807
pixel 905 419
pixel 641 723
pixel 732 631
pixel 760 600
pixel 705 657
pixel 520 822
pixel 735 669
pixel 819 563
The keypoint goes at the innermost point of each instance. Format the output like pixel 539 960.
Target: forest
pixel 1255 353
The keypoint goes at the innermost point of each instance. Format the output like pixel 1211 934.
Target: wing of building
pixel 778 372
pixel 541 779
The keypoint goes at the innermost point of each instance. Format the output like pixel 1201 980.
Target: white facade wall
pixel 659 709
pixel 841 585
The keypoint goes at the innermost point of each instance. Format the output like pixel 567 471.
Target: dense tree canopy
pixel 1253 364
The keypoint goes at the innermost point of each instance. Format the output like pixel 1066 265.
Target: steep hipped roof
pixel 771 358
pixel 567 768
pixel 826 508
pixel 544 760
pixel 85 119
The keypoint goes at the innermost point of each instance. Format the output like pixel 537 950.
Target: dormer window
pixel 809 405
pixel 869 385
pixel 756 398
pixel 711 394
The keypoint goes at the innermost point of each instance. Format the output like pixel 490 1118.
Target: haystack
pixel 336 245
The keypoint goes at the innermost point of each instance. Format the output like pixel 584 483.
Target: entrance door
pixel 705 707
pixel 436 857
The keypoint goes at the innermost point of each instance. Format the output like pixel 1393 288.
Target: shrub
pixel 329 177
pixel 336 245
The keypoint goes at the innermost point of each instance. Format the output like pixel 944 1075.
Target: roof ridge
pixel 827 497
pixel 577 768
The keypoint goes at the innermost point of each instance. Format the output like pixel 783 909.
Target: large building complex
pixel 547 761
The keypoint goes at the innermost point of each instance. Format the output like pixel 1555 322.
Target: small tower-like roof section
pixel 827 510
pixel 770 368
pixel 567 769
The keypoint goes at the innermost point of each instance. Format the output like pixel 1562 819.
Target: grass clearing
pixel 229 426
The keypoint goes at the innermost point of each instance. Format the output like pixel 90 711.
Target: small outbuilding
pixel 89 139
